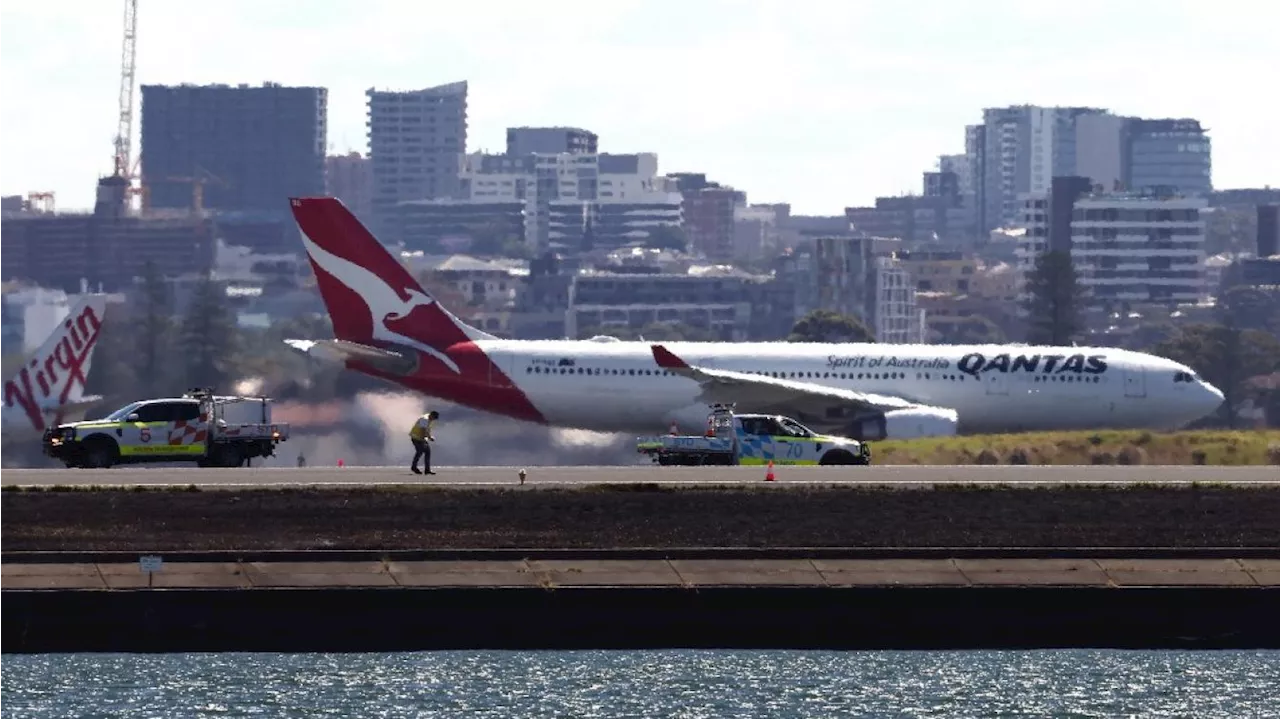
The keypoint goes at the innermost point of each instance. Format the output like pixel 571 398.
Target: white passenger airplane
pixel 387 326
pixel 49 388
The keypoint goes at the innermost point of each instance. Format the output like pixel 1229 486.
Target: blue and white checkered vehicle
pixel 753 439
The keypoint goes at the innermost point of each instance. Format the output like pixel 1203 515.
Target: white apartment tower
pixel 1127 248
pixel 897 321
pixel 417 142
pixel 1022 149
pixel 569 197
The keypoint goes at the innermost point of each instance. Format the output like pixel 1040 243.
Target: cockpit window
pixel 1184 377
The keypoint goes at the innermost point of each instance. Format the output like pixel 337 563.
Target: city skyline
pixel 824 109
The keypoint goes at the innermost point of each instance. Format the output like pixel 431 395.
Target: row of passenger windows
pixel 931 376
pixel 664 373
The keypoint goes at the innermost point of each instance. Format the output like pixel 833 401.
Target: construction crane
pixel 197 187
pixel 124 130
pixel 115 192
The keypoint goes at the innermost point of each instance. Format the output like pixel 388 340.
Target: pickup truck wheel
pixel 100 453
pixel 229 455
pixel 837 456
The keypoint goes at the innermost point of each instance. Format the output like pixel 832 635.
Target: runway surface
pixel 899 475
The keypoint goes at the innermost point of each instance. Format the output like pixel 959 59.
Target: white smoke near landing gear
pixel 394 413
pixel 373 430
pixel 573 438
pixel 249 387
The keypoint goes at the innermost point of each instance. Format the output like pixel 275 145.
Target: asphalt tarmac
pixel 905 475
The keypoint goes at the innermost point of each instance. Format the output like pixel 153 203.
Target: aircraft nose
pixel 1213 397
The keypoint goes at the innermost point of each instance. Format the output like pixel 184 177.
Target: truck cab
pixel 733 438
pixel 200 427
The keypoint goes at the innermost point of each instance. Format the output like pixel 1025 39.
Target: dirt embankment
pixel 639 516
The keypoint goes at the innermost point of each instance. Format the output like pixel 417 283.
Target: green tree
pixel 493 238
pixel 210 338
pixel 1253 308
pixel 116 371
pixel 155 330
pixel 827 326
pixel 1225 357
pixel 517 248
pixel 1056 300
pixel 973 330
pixel 1150 333
pixel 667 237
pixel 1230 229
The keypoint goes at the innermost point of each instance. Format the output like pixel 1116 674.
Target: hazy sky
pixel 822 104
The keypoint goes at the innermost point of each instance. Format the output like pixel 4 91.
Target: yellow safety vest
pixel 421 431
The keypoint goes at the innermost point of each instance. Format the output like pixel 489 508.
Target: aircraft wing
pixel 343 351
pixel 759 393
pixel 81 405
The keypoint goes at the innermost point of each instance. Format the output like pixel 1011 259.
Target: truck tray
pixel 675 444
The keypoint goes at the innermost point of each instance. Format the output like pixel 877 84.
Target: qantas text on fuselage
pixel 387 326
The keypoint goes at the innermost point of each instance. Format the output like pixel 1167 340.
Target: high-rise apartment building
pixel 1024 147
pixel 350 179
pixel 959 165
pixel 975 153
pixel 229 147
pixel 1020 149
pixel 1101 153
pixel 1268 230
pixel 1126 247
pixel 709 214
pixel 417 142
pixel 897 320
pixel 551 141
pixel 578 200
pixel 843 278
pixel 1173 154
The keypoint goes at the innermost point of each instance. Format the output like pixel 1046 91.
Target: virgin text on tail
pixel 58 369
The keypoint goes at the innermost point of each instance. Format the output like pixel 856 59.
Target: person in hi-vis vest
pixel 422 437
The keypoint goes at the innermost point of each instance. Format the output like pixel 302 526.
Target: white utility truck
pixel 210 430
pixel 753 439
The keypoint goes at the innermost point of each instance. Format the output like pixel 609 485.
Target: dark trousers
pixel 421 450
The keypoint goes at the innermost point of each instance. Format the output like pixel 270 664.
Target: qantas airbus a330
pixel 387 326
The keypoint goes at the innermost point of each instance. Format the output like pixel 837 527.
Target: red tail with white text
pixel 387 325
pixel 50 386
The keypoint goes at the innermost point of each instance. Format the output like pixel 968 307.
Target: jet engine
pixel 906 424
pixel 402 361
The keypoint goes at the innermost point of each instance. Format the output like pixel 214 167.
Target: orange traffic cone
pixel 768 475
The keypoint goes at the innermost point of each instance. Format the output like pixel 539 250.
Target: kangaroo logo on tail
pixel 383 301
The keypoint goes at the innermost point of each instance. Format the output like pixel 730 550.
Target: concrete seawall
pixel 809 600
pixel 640 565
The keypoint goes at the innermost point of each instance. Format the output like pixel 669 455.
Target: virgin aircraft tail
pixel 50 387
